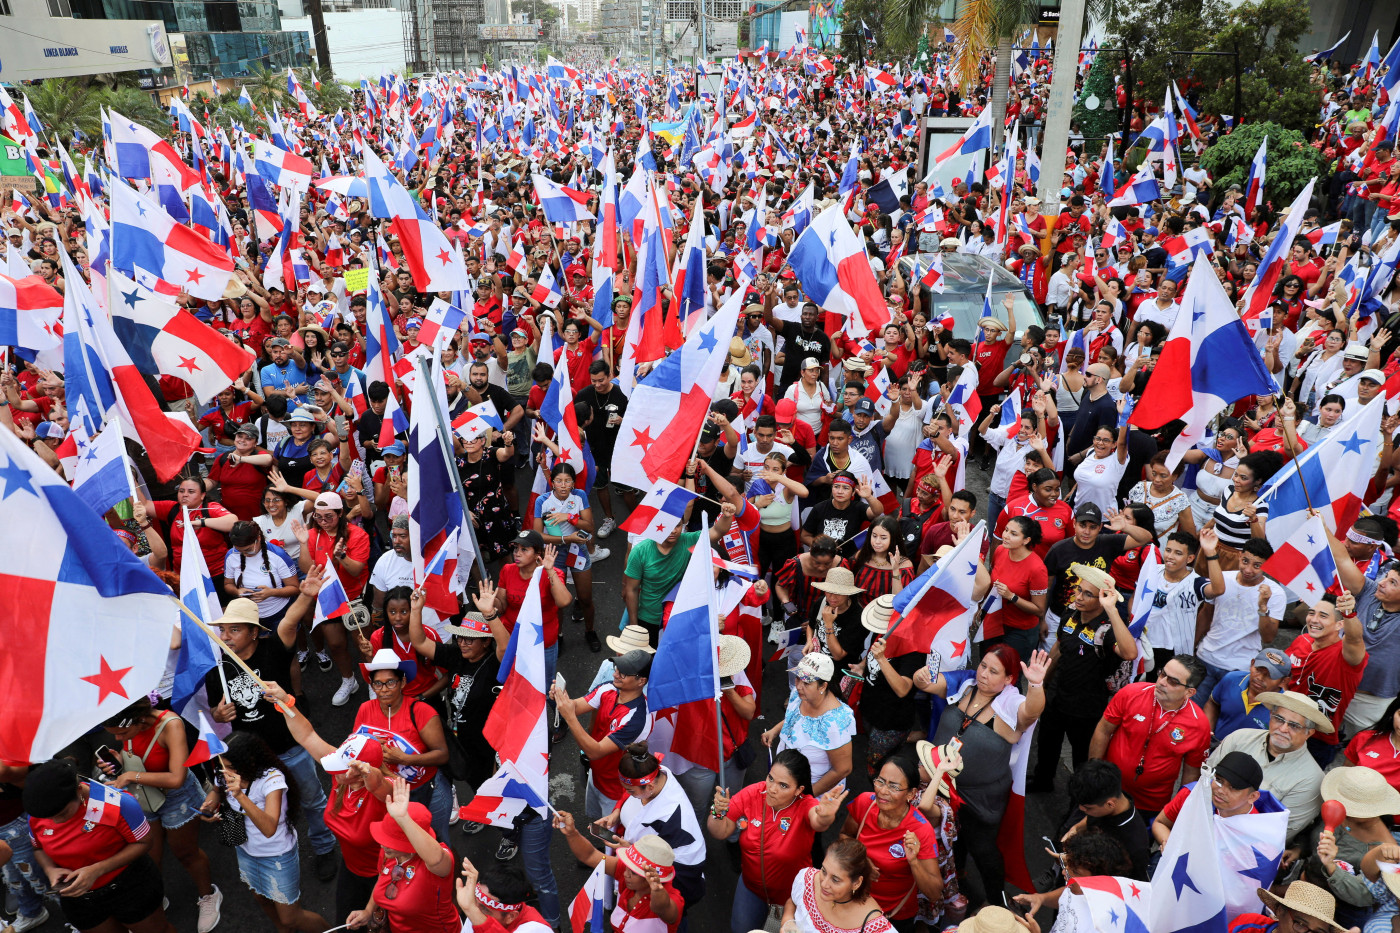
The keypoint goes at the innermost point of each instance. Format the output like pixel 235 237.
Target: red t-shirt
pixel 400 731
pixel 211 542
pixel 783 837
pixel 241 486
pixel 1325 676
pixel 350 824
pixel 579 359
pixel 223 425
pixel 1173 809
pixel 1056 522
pixel 77 842
pixel 885 849
pixel 254 332
pixel 426 676
pixel 1170 737
pixel 515 586
pixel 990 359
pixel 1376 751
pixel 636 905
pixel 1025 578
pixel 422 901
pixel 322 546
pixel 624 723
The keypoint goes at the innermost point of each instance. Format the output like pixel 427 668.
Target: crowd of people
pixel 869 789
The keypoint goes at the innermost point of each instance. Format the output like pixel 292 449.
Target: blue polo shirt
pixel 1229 696
pixel 280 377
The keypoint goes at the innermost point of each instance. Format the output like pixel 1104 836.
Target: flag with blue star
pixel 1188 887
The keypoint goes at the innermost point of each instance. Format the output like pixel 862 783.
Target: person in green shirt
pixel 653 568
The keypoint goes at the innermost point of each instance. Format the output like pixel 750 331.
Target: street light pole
pixel 1060 106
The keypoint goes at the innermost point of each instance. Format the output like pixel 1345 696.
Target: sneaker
pixel 470 828
pixel 209 906
pixel 607 528
pixel 344 692
pixel 327 865
pixel 594 645
pixel 506 850
pixel 301 659
pixel 454 816
pixel 323 660
pixel 600 554
pixel 23 923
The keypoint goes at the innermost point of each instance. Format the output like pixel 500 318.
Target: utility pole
pixel 1060 107
pixel 318 31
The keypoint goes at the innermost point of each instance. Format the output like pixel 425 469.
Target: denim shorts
pixel 275 877
pixel 181 804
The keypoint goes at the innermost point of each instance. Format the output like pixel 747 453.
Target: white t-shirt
pixel 668 813
pixel 752 460
pixel 1190 179
pixel 285 838
pixel 390 571
pixel 1174 606
pixel 1098 481
pixel 1233 641
pixel 281 535
pixel 271 567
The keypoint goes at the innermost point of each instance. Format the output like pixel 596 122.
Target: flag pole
pixel 1292 453
pixel 218 642
pixel 229 651
pixel 713 614
pixel 445 439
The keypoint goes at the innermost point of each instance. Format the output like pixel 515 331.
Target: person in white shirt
pixel 1179 592
pixel 1192 179
pixel 1161 309
pixel 1242 620
pixel 1062 288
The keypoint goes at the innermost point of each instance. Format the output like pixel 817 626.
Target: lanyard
pixel 1152 730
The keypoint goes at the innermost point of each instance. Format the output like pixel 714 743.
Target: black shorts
pixel 129 898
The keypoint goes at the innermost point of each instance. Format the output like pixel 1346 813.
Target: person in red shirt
pixel 1329 658
pixel 777 821
pixel 394 635
pixel 1155 734
pixel 331 538
pixel 495 902
pixel 87 836
pixel 1021 584
pixel 1042 504
pixel 1377 746
pixel 211 523
pixel 415 872
pixel 898 840
pixel 647 900
pixel 241 474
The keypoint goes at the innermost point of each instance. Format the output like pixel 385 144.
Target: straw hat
pixel 1305 898
pixel 1100 580
pixel 991 919
pixel 241 611
pixel 648 852
pixel 734 655
pixel 632 638
pixel 855 364
pixel 1028 247
pixel 876 616
pixel 1363 791
pixel 991 322
pixel 739 354
pixel 1299 703
pixel 931 755
pixel 473 626
pixel 839 580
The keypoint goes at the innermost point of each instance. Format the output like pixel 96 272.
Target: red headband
pixel 642 781
pixel 487 900
pixel 637 860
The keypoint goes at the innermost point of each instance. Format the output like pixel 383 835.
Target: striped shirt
pixel 1233 527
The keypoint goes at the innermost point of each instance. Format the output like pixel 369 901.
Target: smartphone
pixel 612 839
pixel 111 756
pixel 587 536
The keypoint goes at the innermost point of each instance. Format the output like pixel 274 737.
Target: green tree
pixel 1274 81
pixel 136 104
pixel 1292 162
pixel 889 46
pixel 66 105
pixel 1104 118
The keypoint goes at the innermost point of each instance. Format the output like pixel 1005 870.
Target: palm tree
pixel 68 105
pixel 135 104
pixel 267 86
pixel 983 24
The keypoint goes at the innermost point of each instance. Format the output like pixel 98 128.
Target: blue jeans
pixel 535 835
pixel 23 876
pixel 313 798
pixel 750 911
pixel 995 505
pixel 1213 675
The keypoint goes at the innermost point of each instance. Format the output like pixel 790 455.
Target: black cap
pixel 49 788
pixel 635 663
pixel 530 539
pixel 1240 771
pixel 1089 512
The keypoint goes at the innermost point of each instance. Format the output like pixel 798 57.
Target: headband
pixel 486 900
pixel 1357 537
pixel 130 538
pixel 637 860
pixel 643 781
pixel 843 479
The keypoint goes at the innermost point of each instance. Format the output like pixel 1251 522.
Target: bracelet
pixel 1031 684
pixel 491 618
pixel 145 526
pixel 1212 557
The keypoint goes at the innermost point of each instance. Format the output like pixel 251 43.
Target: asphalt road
pixel 578 664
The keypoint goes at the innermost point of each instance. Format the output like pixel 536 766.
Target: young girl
pixel 264 573
pixel 394 634
pixel 257 785
pixel 565 515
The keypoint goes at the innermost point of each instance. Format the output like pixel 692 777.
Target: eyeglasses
pixel 384 684
pixel 1300 927
pixel 339 353
pixel 887 785
pixel 1290 726
pixel 1170 679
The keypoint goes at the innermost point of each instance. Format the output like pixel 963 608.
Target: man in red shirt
pixel 1329 658
pixel 1155 734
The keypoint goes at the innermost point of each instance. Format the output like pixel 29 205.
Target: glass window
pixel 60 8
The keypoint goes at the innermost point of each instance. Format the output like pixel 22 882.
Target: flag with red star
pixel 670 404
pixel 163 339
pixel 86 624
